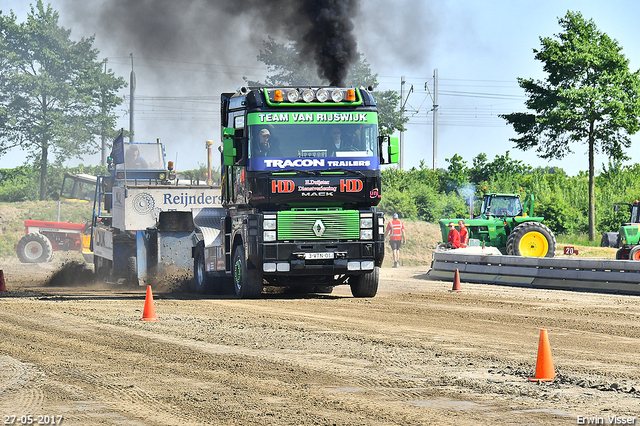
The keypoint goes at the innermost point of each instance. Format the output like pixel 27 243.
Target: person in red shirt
pixel 395 230
pixel 464 234
pixel 453 239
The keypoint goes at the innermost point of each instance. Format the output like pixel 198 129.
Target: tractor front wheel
pixel 634 254
pixel 531 239
pixel 34 248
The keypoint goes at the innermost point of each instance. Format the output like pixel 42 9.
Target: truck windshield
pixel 143 156
pixel 313 140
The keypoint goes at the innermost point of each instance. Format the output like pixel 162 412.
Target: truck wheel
pixel 132 272
pixel 34 248
pixel 634 254
pixel 610 239
pixel 365 285
pixel 202 282
pixel 247 283
pixel 531 239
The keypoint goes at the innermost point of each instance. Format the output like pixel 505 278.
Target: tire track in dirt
pixel 395 359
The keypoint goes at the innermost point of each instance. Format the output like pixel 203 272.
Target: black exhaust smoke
pixel 330 37
pixel 216 30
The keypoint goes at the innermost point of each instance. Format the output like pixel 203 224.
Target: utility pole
pixel 132 89
pixel 435 119
pixel 402 81
pixel 103 130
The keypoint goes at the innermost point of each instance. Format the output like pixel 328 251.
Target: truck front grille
pixel 319 225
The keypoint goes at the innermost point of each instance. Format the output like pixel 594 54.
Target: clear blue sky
pixel 479 48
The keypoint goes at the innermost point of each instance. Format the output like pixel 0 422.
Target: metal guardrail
pixel 594 275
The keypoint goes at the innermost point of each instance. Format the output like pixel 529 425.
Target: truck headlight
pixel 366 234
pixel 269 235
pixel 366 222
pixel 269 224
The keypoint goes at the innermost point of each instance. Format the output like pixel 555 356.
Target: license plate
pixel 311 256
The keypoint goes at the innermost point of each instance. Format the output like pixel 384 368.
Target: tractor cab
pixel 507 205
pixel 78 187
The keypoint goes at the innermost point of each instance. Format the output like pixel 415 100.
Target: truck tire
pixel 203 283
pixel 531 239
pixel 247 283
pixel 34 248
pixel 365 285
pixel 132 272
pixel 610 239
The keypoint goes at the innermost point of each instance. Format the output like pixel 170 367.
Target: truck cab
pixel 300 182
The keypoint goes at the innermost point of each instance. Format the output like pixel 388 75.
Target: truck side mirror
pixel 228 149
pixel 392 150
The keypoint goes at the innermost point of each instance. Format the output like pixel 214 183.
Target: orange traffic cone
pixel 149 313
pixel 544 366
pixel 3 286
pixel 456 282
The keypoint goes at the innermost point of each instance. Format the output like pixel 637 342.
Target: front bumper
pixel 345 257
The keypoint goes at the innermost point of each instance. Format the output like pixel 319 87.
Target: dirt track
pixel 415 354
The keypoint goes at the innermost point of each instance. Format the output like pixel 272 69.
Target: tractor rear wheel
pixel 34 248
pixel 531 239
pixel 610 239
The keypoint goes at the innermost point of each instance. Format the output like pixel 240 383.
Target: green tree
pixel 458 173
pixel 589 96
pixel 56 96
pixel 501 165
pixel 287 68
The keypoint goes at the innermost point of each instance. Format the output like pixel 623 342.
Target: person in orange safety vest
pixel 395 230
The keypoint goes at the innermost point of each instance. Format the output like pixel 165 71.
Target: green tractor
pixel 627 239
pixel 508 224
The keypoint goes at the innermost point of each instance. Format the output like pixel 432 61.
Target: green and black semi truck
pixel 300 184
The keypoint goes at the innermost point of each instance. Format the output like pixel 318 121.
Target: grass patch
pixel 580 239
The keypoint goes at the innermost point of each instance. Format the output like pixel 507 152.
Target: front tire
pixel 34 248
pixel 365 285
pixel 634 254
pixel 531 239
pixel 247 283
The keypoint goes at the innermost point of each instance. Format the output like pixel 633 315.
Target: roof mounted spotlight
pixel 322 95
pixel 308 95
pixel 337 95
pixel 293 95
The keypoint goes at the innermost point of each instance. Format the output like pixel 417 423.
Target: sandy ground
pixel 416 354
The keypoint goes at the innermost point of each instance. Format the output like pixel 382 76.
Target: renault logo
pixel 318 228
